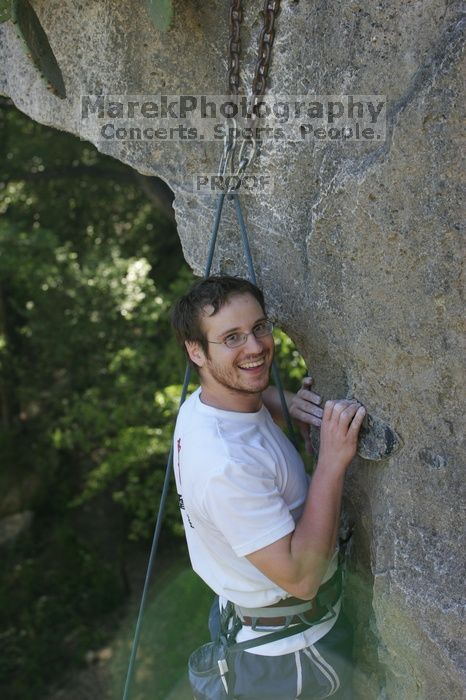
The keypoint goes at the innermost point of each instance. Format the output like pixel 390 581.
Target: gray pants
pixel 321 670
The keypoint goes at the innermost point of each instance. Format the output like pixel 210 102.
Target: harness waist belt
pixel 294 610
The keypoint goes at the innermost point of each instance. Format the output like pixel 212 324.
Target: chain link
pixel 248 148
pixel 236 17
pixel 266 37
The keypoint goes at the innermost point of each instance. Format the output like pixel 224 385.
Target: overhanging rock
pixel 357 248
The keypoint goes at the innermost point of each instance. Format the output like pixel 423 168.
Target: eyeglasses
pixel 235 340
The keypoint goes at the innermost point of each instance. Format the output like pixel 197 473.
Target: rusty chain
pixel 266 37
pixel 236 17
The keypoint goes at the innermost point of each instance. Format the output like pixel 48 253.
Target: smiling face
pixel 233 378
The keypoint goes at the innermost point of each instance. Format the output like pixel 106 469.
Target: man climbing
pixel 259 532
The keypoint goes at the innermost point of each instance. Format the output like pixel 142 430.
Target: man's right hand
pixel 339 433
pixel 298 561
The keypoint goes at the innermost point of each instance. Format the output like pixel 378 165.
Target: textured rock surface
pixel 370 289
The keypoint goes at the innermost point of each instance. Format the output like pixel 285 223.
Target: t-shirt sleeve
pixel 246 508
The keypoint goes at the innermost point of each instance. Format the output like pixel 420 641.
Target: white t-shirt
pixel 241 486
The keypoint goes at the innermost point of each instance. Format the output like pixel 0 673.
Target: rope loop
pixel 231 177
pixel 246 159
pixel 229 147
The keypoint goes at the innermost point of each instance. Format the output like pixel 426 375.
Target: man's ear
pixel 195 352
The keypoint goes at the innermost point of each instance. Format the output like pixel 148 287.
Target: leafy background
pixel 90 264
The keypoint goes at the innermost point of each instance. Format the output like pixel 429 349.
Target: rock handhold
pixel 377 440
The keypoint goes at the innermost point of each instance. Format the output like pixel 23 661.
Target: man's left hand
pixel 305 410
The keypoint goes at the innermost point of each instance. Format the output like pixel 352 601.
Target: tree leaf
pixel 5 10
pixel 37 45
pixel 161 13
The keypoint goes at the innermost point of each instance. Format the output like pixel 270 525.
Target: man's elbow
pixel 306 577
pixel 304 589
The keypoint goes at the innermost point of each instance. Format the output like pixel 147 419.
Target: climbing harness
pixel 228 164
pixel 212 667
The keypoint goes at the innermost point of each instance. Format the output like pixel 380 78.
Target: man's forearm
pixel 313 541
pixel 297 562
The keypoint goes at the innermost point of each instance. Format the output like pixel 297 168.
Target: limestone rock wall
pixel 358 249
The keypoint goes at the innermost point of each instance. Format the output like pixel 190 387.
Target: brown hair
pixel 214 291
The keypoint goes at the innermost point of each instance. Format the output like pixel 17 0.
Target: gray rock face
pixel 358 249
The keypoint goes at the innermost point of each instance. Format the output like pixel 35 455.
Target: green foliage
pixel 290 363
pixel 134 468
pixel 50 607
pixel 88 372
pixel 93 327
pixel 37 45
pixel 5 10
pixel 89 387
pixel 161 13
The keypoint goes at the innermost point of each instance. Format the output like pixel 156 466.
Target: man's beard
pixel 225 378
